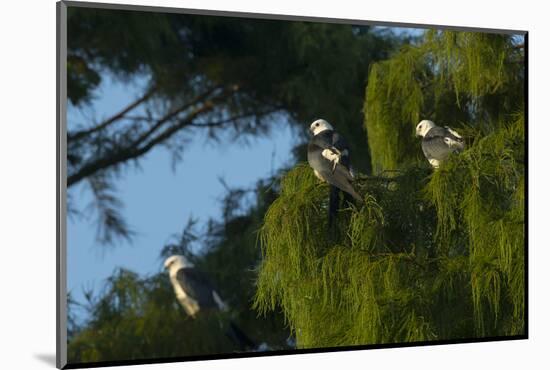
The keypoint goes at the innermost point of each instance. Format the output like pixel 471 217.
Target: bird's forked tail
pixel 239 337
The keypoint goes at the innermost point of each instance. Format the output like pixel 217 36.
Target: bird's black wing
pixel 340 143
pixel 323 140
pixel 333 141
pixel 197 286
pixel 239 337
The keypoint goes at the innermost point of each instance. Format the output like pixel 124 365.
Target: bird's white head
pixel 176 262
pixel 423 127
pixel 319 125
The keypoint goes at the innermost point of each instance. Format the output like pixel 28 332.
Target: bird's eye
pixel 317 124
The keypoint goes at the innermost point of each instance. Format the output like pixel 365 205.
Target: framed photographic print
pixel 235 185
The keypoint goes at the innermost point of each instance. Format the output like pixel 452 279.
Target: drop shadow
pixel 47 358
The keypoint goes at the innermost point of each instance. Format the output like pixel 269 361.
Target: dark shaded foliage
pixel 138 317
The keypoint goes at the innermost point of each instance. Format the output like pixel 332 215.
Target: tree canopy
pixel 137 317
pixel 225 76
pixel 433 254
pixel 473 81
pixel 228 77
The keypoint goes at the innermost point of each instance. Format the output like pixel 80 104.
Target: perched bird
pixel 197 295
pixel 329 155
pixel 193 289
pixel 438 142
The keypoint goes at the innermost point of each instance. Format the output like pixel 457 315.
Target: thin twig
pixel 103 125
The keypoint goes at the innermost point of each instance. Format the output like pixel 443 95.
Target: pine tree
pixel 138 317
pixel 184 58
pixel 224 76
pixel 433 254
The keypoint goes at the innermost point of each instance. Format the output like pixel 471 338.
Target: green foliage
pixel 357 288
pixel 490 180
pixel 229 254
pixel 415 263
pixel 137 318
pixel 432 254
pixel 452 78
pixel 231 78
pixel 234 79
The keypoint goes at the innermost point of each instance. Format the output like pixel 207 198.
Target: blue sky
pixel 159 201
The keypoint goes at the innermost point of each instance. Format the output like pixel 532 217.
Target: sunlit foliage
pixel 432 254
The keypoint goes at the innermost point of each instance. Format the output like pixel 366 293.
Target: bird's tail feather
pixel 333 201
pixel 355 195
pixel 240 338
pixel 348 198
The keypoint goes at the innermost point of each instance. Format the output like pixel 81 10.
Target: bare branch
pixel 144 143
pixel 163 129
pixel 196 100
pixel 83 133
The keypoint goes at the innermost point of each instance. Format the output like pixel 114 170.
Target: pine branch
pixel 111 225
pixel 72 137
pixel 177 111
pixel 147 141
pixel 134 150
pixel 234 118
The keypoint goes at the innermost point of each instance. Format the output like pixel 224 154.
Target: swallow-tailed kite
pixel 329 155
pixel 193 289
pixel 197 296
pixel 438 142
